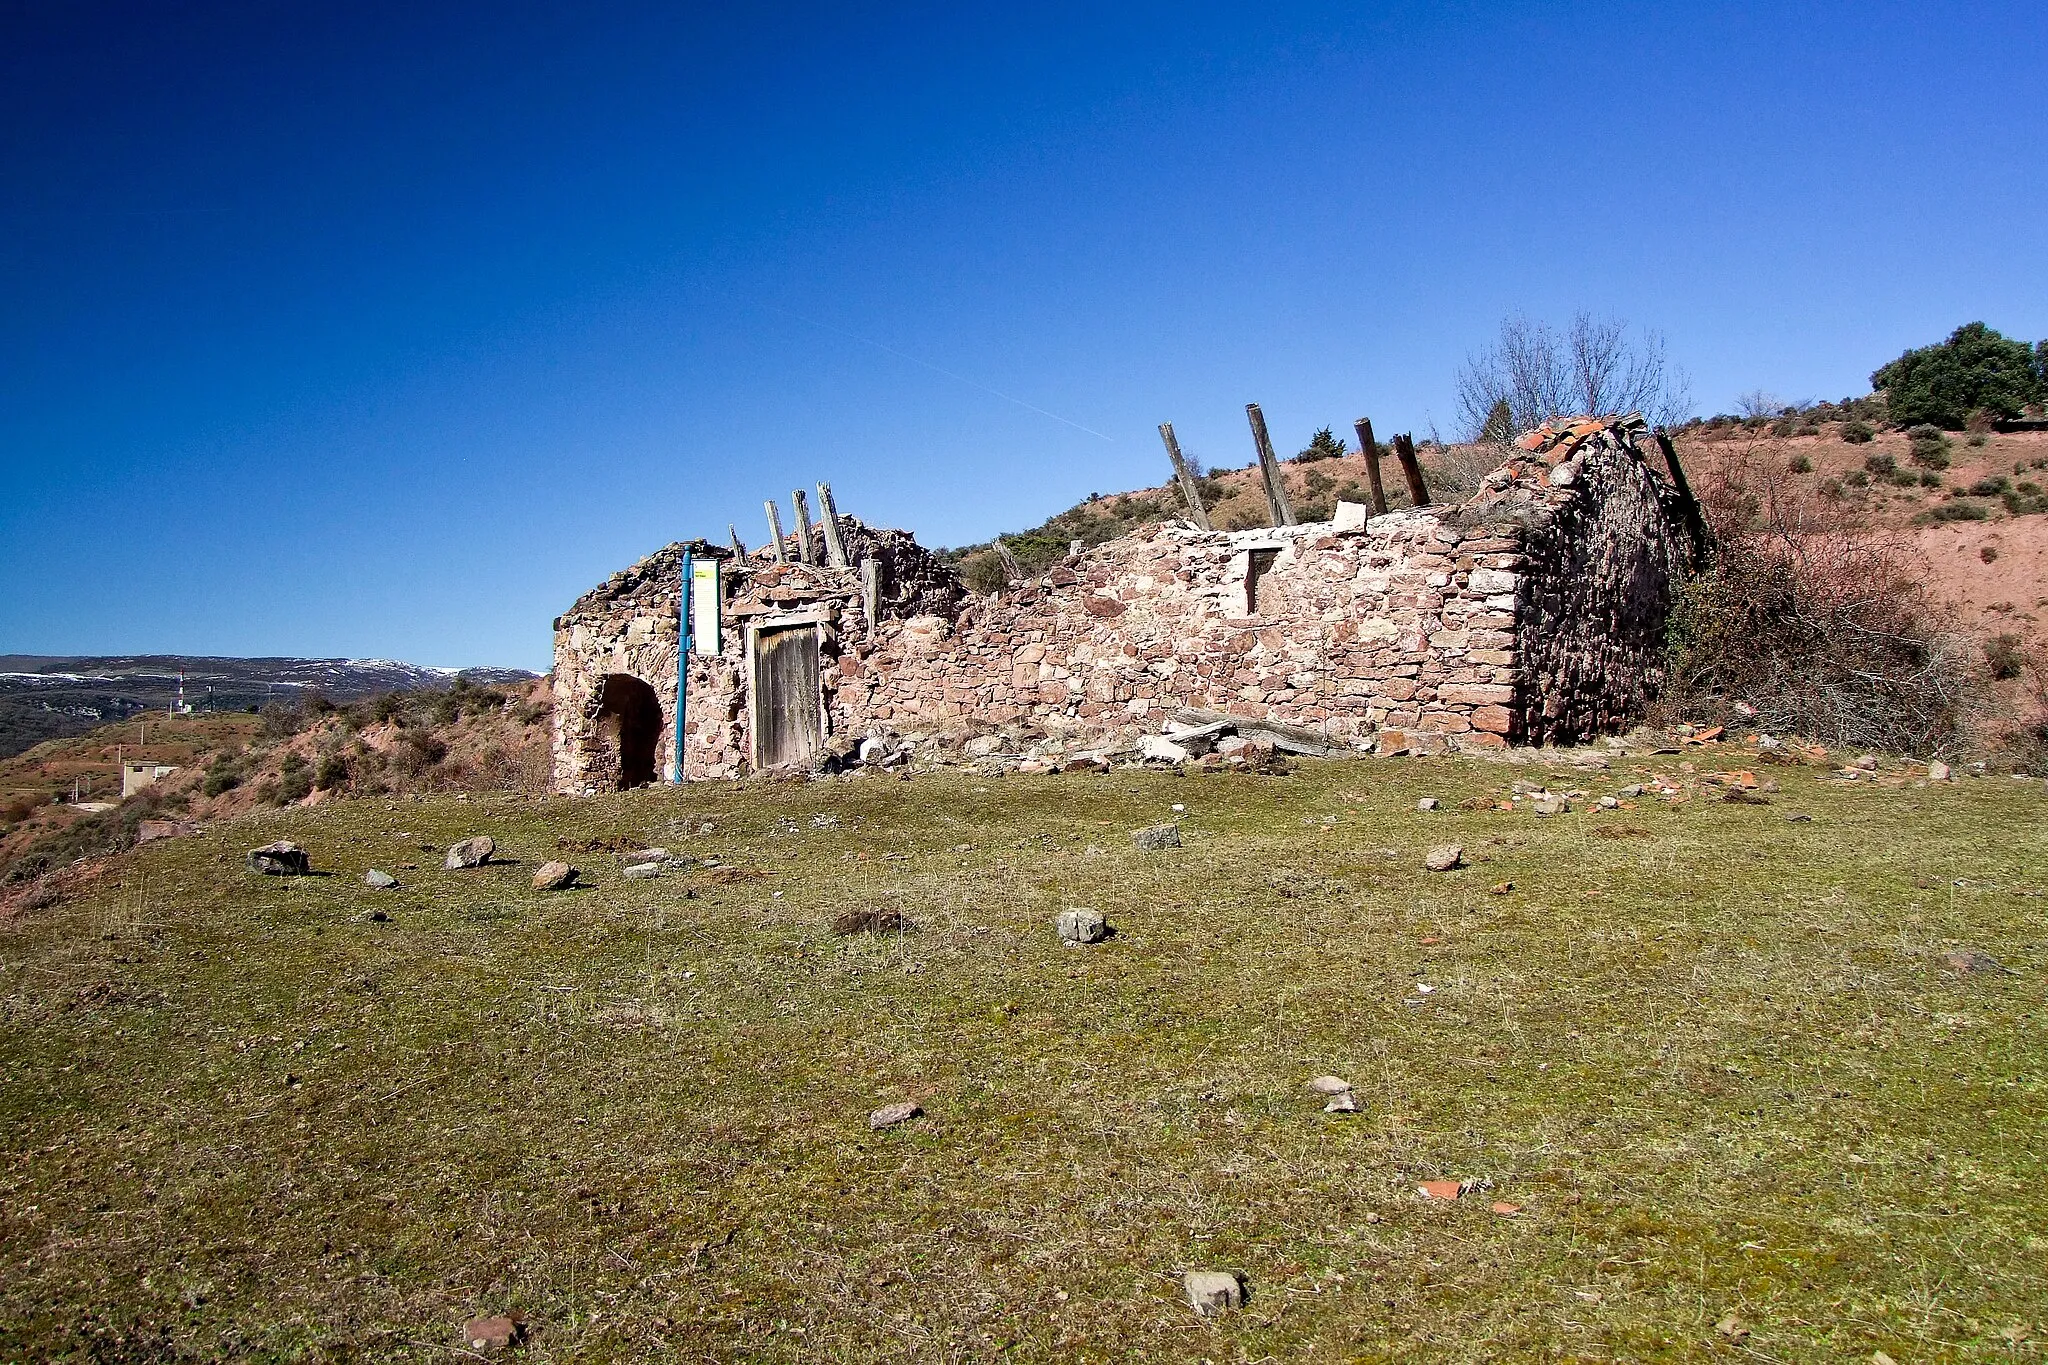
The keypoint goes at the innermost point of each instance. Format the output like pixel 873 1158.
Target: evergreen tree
pixel 1500 424
pixel 1324 445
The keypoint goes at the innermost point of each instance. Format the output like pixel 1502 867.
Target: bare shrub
pixel 1591 366
pixel 2021 740
pixel 1817 620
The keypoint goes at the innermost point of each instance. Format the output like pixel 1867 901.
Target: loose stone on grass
pixel 1156 837
pixel 1213 1291
pixel 471 852
pixel 1428 803
pixel 553 876
pixel 1444 857
pixel 1341 1104
pixel 281 859
pixel 889 1115
pixel 379 880
pixel 494 1333
pixel 642 872
pixel 1330 1085
pixel 1082 926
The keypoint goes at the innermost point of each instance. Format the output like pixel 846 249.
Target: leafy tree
pixel 1324 445
pixel 1975 368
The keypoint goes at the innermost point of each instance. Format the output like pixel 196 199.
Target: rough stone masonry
pixel 1534 612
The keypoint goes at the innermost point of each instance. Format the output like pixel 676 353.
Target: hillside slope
pixel 45 696
pixel 463 739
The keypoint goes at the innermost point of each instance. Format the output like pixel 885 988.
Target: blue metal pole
pixel 682 659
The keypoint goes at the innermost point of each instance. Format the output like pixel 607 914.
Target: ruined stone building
pixel 1533 612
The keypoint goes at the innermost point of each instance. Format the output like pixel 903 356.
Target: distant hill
pixel 47 696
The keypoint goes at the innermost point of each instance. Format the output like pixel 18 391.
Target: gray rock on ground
pixel 889 1115
pixel 1444 857
pixel 379 880
pixel 1428 803
pixel 643 872
pixel 281 859
pixel 1082 926
pixel 1155 837
pixel 471 852
pixel 1341 1104
pixel 1213 1291
pixel 1330 1085
pixel 1550 805
pixel 553 876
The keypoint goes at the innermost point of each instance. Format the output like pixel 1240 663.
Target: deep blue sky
pixel 335 329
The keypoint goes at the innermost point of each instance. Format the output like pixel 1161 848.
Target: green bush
pixel 1856 478
pixel 1929 447
pixel 1930 479
pixel 1800 464
pixel 1975 368
pixel 1856 433
pixel 983 571
pixel 1959 510
pixel 295 783
pixel 224 774
pixel 332 772
pixel 1990 486
pixel 1879 462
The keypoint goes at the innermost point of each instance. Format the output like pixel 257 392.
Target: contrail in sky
pixel 936 369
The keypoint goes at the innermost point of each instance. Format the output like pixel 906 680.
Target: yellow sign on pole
pixel 704 607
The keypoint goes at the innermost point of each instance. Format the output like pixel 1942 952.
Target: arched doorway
pixel 626 731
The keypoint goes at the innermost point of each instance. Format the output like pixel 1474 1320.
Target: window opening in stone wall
pixel 1261 597
pixel 626 733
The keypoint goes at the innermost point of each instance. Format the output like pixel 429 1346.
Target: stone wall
pixel 1534 612
pixel 1405 625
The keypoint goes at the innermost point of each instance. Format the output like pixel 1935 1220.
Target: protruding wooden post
pixel 1689 507
pixel 739 550
pixel 1190 491
pixel 775 530
pixel 1411 469
pixel 1010 564
pixel 871 591
pixel 803 526
pixel 1370 448
pixel 828 513
pixel 1269 467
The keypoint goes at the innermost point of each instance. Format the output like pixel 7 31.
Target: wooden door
pixel 787 705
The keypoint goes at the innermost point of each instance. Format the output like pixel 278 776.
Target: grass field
pixel 1720 1060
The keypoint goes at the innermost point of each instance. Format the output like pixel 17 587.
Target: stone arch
pixel 625 732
